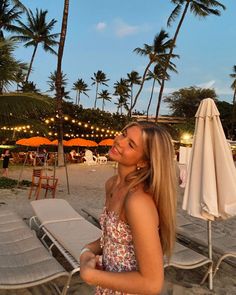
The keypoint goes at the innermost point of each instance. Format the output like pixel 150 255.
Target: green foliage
pixel 9 66
pixel 11 183
pixel 92 116
pixel 18 107
pixel 185 101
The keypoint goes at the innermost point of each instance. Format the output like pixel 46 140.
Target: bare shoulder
pixel 140 203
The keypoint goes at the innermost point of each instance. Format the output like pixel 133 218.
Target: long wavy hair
pixel 158 178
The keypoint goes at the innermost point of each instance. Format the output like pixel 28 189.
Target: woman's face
pixel 128 147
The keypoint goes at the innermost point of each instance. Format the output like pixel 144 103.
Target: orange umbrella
pixel 55 142
pixel 80 142
pixel 107 142
pixel 34 141
pixel 91 143
pixel 21 141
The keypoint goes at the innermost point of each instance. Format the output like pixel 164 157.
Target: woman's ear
pixel 142 164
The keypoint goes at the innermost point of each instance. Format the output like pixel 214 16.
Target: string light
pixel 99 131
pixel 95 130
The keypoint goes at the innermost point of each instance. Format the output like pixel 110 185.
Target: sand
pixel 86 191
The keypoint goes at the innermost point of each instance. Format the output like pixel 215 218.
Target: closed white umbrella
pixel 210 191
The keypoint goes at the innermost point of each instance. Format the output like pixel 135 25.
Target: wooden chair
pixel 40 181
pixel 50 184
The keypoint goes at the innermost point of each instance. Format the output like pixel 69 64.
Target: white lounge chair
pixel 24 261
pixel 89 158
pixel 66 229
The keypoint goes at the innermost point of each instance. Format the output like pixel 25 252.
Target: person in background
pixel 138 221
pixel 45 156
pixel 73 155
pixel 6 158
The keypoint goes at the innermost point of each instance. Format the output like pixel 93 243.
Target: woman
pixel 6 157
pixel 138 222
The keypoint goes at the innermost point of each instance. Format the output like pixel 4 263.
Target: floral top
pixel 118 249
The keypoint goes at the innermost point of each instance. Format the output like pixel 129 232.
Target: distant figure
pixel 45 156
pixel 73 155
pixel 32 158
pixel 6 157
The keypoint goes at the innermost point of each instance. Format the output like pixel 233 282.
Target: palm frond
pixel 174 14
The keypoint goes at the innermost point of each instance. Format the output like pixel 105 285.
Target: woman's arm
pixel 94 247
pixel 142 217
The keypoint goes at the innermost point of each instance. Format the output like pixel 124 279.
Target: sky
pixel 102 35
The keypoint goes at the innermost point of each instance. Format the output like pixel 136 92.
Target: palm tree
pixel 59 90
pixel 156 54
pixel 18 108
pixel 157 75
pixel 133 78
pixel 52 84
pixel 9 66
pixel 29 87
pixel 233 86
pixel 37 31
pixel 20 78
pixel 122 90
pixel 98 78
pixel 80 87
pixel 122 102
pixel 105 96
pixel 200 8
pixel 8 15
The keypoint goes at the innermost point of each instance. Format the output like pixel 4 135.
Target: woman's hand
pixel 88 262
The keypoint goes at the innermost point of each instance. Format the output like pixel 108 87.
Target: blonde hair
pixel 158 178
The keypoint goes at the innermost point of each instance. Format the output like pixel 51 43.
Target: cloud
pixel 209 84
pixel 101 26
pixel 123 29
pixel 218 89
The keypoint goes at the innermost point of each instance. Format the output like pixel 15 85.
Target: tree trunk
pixel 31 63
pixel 78 98
pixel 234 97
pixel 168 60
pixel 131 96
pixel 61 161
pixel 150 100
pixel 232 136
pixel 140 89
pixel 95 103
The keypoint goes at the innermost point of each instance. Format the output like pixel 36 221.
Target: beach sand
pixel 86 191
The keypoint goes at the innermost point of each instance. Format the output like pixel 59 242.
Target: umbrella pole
pixel 67 179
pixel 22 168
pixel 210 278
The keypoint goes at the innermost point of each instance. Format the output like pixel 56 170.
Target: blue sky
pixel 103 34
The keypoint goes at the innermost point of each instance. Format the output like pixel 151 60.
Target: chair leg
pixel 46 192
pixel 37 192
pixel 30 193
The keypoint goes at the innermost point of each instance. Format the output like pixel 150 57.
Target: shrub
pixel 6 182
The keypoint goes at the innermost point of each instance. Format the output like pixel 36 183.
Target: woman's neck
pixel 122 172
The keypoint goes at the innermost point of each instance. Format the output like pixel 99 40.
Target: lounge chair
pixel 187 258
pixel 24 261
pixel 89 158
pixel 198 234
pixel 66 229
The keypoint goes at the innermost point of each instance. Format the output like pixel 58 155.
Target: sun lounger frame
pixel 18 243
pixel 54 213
